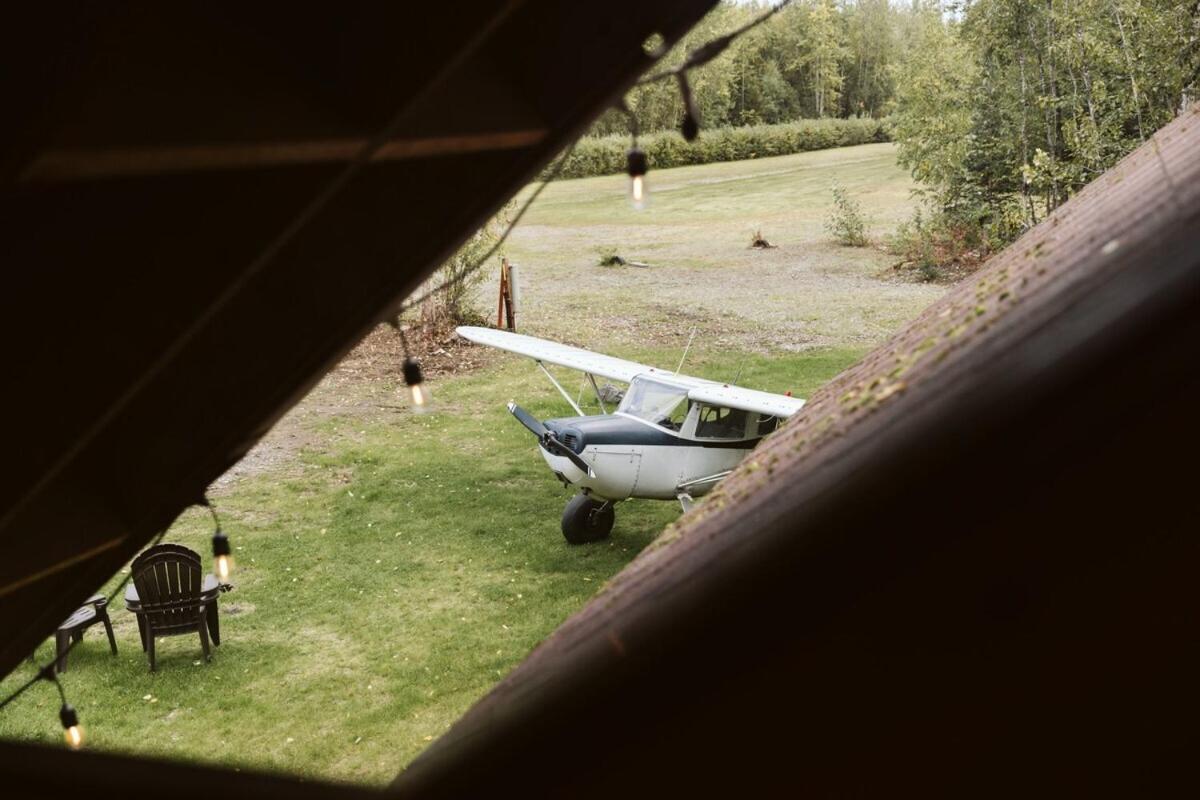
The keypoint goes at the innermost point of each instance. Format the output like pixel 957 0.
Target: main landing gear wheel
pixel 587 520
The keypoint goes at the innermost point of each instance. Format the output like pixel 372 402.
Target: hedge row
pixel 605 155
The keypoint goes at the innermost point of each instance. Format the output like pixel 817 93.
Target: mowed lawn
pixel 392 567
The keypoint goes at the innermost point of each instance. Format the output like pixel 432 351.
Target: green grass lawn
pixel 381 588
pixel 392 567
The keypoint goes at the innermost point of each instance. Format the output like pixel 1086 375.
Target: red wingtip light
pixel 788 393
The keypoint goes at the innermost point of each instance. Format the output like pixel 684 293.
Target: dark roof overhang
pixel 192 235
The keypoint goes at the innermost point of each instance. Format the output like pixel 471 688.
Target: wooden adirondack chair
pixel 173 597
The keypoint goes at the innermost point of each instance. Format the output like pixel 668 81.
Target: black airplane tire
pixel 586 520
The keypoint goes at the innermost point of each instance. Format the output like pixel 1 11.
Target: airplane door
pixel 705 461
pixel 722 428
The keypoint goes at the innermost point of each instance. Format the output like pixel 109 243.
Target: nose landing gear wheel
pixel 587 520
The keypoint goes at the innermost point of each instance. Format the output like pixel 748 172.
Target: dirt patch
pixel 275 452
pixel 379 356
pixel 362 385
pixel 235 609
pixel 946 274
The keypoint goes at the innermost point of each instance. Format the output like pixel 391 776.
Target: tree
pixel 1003 116
pixel 934 108
pixel 871 57
pixel 454 305
pixel 794 66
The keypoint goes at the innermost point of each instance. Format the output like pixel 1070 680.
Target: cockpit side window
pixel 721 423
pixel 660 403
pixel 767 423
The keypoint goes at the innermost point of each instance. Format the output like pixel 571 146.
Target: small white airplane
pixel 671 436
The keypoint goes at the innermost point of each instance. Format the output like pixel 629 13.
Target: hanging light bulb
pixel 690 128
pixel 222 555
pixel 414 379
pixel 635 166
pixel 71 730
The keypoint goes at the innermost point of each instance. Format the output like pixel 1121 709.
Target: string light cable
pixel 414 377
pixel 222 565
pixel 714 47
pixel 49 672
pixel 636 165
pixel 480 262
pixel 222 555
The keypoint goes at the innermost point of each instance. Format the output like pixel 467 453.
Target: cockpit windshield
pixel 660 403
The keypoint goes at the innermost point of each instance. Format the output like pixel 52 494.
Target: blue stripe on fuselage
pixel 620 429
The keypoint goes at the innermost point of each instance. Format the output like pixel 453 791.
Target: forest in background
pixel 815 58
pixel 1002 109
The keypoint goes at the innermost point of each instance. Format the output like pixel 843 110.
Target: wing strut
pixel 596 389
pixel 561 390
pixel 683 487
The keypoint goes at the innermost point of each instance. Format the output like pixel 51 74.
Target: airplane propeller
pixel 528 420
pixel 548 439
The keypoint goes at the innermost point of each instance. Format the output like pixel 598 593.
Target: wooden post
pixel 503 293
pixel 514 296
pixel 505 307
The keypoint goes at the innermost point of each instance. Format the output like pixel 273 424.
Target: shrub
pixel 454 305
pixel 609 257
pixel 760 242
pixel 955 239
pixel 846 221
pixel 947 246
pixel 605 155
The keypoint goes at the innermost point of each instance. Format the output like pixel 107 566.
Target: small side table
pixel 94 609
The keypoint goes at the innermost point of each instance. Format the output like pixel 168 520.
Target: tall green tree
pixel 816 58
pixel 934 120
pixel 1017 104
pixel 871 57
pixel 823 57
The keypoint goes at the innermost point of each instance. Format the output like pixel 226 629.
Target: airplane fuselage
pixel 631 457
pixel 672 436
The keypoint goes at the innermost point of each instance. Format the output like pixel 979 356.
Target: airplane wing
pixel 617 369
pixel 778 405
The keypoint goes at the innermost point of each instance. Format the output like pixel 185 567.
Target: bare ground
pixel 366 385
pixel 805 293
